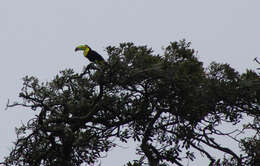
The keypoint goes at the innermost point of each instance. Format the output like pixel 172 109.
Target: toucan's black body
pixel 93 56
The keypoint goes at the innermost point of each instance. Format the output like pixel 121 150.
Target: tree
pixel 168 103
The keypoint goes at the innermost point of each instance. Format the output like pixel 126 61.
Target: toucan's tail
pixel 102 62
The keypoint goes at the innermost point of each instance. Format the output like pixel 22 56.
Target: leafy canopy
pixel 169 104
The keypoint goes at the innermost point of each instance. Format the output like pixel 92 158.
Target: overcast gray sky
pixel 38 38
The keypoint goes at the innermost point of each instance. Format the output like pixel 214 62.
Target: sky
pixel 37 38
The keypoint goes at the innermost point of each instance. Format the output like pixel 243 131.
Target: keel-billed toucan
pixel 92 55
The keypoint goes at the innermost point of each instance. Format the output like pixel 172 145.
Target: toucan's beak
pixel 76 49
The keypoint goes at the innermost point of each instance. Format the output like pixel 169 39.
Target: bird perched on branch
pixel 91 55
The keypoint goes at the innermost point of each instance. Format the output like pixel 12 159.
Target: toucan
pixel 90 54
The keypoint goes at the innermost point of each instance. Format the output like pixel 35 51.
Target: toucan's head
pixel 82 48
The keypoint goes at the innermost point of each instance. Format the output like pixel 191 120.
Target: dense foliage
pixel 169 104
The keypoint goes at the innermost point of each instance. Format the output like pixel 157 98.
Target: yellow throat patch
pixel 85 53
